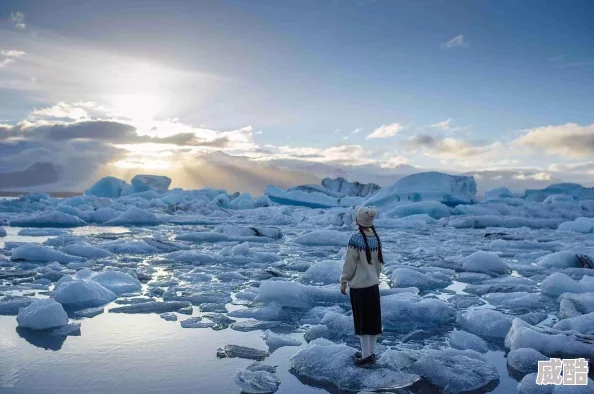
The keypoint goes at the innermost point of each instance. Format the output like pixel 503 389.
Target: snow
pixel 118 282
pixel 406 311
pixel 42 314
pixel 276 341
pixel 559 283
pixel 485 262
pixel 579 225
pixel 462 340
pixel 453 372
pixel 486 323
pixel 323 273
pixel 406 277
pixel 525 360
pixel 109 187
pixel 80 294
pixel 84 249
pixel 324 238
pixel 450 190
pixel 333 364
pixel 548 341
pixel 256 382
pixel 50 219
pixel 38 253
pixel 583 324
pixel 143 183
pixel 135 217
pixel 563 259
pixel 434 209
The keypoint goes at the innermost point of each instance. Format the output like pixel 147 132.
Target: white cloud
pixel 60 111
pixel 18 18
pixel 12 53
pixel 385 131
pixel 6 62
pixel 451 148
pixel 356 131
pixel 445 125
pixel 568 140
pixel 457 41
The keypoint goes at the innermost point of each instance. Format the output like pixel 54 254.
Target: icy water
pixel 143 353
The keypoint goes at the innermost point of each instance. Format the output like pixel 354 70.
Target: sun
pixel 139 107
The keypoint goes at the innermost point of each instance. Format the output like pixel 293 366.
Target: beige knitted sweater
pixel 357 272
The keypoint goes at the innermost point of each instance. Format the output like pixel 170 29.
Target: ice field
pixel 135 288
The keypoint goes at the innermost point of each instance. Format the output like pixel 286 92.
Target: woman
pixel 362 267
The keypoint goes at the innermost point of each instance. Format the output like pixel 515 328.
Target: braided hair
pixel 367 249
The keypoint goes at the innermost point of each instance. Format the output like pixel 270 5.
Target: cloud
pixel 6 62
pixel 452 148
pixel 445 125
pixel 422 141
pixel 568 140
pixel 60 111
pixel 12 53
pixel 385 131
pixel 18 19
pixel 457 41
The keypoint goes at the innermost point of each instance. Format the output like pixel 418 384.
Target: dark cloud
pixel 95 130
pixel 422 140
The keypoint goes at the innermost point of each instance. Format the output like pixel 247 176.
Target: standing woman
pixel 362 267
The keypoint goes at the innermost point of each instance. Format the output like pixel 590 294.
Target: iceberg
pixel 563 259
pixel 195 322
pixel 42 314
pixel 38 253
pixel 351 189
pixel 10 306
pixel 276 341
pixel 50 219
pixel 579 225
pixel 406 277
pixel 434 209
pixel 300 198
pixel 297 295
pixel 42 232
pixel 455 373
pixel 143 183
pixel 235 351
pixel 574 190
pixel 81 294
pixel 486 323
pixel 485 262
pixel 256 382
pixel 528 386
pixel 152 307
pixel 463 340
pixel 333 365
pixel 573 305
pixel 406 311
pixel 485 221
pixel 323 273
pixel 109 187
pixel 118 282
pixel 499 193
pixel 512 300
pixel 135 217
pixel 525 360
pixel 324 238
pixel 447 189
pixel 583 324
pixel 3 232
pixel 83 249
pixel 559 283
pixel 548 341
pixel 89 312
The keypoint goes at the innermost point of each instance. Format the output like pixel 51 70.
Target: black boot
pixel 364 361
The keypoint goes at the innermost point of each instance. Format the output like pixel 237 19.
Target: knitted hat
pixel 365 216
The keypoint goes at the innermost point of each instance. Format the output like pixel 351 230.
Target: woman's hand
pixel 343 289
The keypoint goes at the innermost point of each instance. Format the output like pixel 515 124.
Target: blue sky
pixel 458 85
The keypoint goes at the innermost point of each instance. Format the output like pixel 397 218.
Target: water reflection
pixel 42 339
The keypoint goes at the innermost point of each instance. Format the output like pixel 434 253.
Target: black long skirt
pixel 367 313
